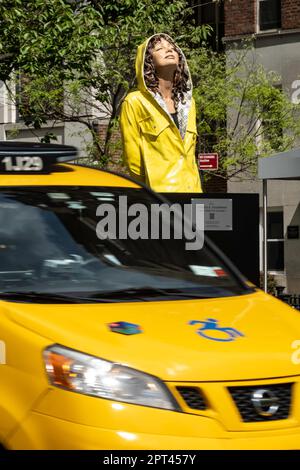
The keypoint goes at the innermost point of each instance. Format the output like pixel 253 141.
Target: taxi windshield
pixel 49 247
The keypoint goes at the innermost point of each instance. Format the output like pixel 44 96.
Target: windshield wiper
pixel 147 291
pixel 48 297
pixel 144 293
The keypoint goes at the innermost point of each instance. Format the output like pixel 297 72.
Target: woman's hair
pixel 181 77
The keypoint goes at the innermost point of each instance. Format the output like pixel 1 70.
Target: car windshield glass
pixel 49 245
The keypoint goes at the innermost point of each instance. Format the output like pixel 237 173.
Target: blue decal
pixel 211 325
pixel 125 328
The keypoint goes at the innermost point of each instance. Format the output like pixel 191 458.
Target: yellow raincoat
pixel 154 149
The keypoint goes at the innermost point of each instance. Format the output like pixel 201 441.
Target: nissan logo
pixel 264 402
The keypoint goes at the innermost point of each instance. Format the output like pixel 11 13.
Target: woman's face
pixel 164 54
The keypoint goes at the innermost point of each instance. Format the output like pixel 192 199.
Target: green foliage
pixel 77 57
pixel 243 113
pixel 76 63
pixel 37 36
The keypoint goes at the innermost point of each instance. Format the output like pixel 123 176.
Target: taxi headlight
pixel 89 375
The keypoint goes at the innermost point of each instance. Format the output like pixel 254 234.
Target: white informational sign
pixel 217 213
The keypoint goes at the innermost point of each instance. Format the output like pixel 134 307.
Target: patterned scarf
pixel 182 110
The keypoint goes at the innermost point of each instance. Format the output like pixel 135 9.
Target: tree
pixel 244 113
pixel 37 36
pixel 83 51
pixel 75 62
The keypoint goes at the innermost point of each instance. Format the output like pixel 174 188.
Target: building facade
pixel 275 28
pixel 12 126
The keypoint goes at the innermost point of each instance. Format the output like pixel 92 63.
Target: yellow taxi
pixel 111 340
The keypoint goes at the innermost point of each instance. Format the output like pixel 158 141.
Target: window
pixel 269 14
pixel 275 241
pixel 211 13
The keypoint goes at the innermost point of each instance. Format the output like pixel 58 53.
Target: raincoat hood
pixel 183 107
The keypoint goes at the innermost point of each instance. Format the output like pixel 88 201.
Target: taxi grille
pixel 192 397
pixel 243 398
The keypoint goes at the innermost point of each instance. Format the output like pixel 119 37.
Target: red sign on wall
pixel 208 161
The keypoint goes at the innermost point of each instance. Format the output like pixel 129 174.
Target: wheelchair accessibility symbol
pixel 211 330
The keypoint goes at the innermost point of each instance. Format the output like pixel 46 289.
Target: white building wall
pixel 7 110
pixel 66 133
pixel 280 53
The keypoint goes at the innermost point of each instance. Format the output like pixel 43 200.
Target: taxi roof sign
pixel 28 157
pixel 60 153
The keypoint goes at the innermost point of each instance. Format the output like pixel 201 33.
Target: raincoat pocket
pixel 152 129
pixel 191 127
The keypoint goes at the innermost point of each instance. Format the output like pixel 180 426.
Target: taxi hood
pixel 233 338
